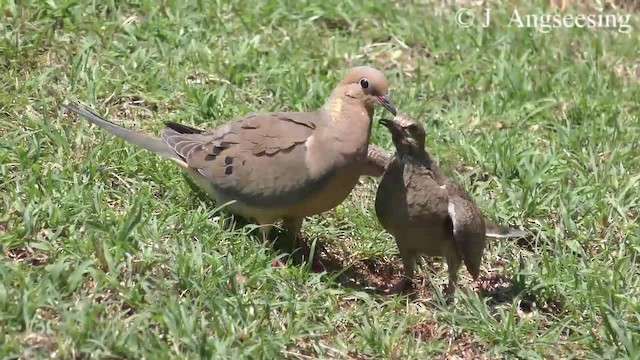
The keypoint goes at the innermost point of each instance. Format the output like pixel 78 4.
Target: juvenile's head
pixel 367 85
pixel 408 135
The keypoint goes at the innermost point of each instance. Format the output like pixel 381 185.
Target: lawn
pixel 108 252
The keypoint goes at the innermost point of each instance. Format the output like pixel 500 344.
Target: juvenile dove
pixel 280 165
pixel 426 212
pixel 378 160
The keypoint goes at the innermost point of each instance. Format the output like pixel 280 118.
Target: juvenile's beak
pixel 386 122
pixel 390 124
pixel 385 102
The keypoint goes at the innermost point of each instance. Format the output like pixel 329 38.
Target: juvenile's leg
pixel 453 265
pixel 409 262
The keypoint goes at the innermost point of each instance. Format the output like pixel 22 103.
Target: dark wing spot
pixel 228 160
pixel 209 157
pixel 228 170
pixel 217 150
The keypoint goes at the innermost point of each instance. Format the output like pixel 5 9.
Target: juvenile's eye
pixel 414 129
pixel 364 83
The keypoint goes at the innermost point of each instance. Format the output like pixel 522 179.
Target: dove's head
pixel 368 86
pixel 408 135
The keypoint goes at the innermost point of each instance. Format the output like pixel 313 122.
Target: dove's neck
pixel 349 125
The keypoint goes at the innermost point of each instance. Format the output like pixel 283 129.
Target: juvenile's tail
pixel 468 232
pixel 496 231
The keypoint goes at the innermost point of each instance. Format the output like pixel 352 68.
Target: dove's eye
pixel 364 83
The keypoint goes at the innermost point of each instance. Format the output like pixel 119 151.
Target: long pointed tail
pixel 496 231
pixel 150 143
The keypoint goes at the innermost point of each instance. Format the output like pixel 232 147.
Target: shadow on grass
pixel 504 290
pixel 371 276
pixel 349 276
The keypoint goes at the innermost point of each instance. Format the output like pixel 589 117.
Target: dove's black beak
pixel 385 102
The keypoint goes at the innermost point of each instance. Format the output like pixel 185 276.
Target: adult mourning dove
pixel 427 213
pixel 379 159
pixel 280 165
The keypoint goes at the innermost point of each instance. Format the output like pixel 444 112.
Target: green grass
pixel 108 253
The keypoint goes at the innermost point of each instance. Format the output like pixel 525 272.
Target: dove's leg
pixel 265 229
pixel 293 226
pixel 409 262
pixel 264 233
pixel 292 229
